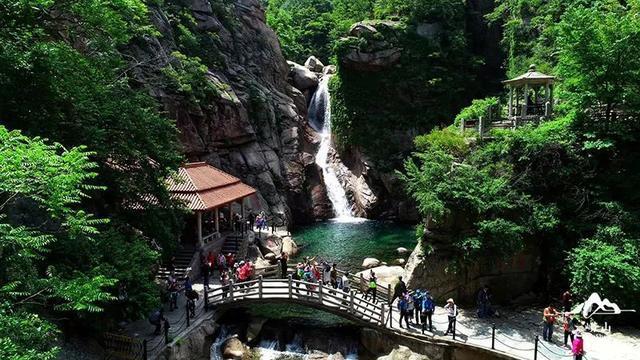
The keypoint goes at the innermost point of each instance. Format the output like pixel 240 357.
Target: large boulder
pixel 314 64
pixel 403 353
pixel 302 78
pixel 387 275
pixel 369 263
pixel 289 247
pixel 234 349
pixel 270 244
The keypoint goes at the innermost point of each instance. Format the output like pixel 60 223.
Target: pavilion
pixel 207 191
pixel 530 96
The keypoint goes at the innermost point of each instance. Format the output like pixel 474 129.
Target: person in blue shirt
pixel 417 304
pixel 428 306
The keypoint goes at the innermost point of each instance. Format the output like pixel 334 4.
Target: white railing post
pixel 320 291
pixel 290 286
pixel 260 287
pixel 231 290
pixel 351 308
pixel 382 314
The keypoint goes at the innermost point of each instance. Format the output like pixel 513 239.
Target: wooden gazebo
pixel 530 96
pixel 205 190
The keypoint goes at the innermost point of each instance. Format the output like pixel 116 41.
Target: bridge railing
pixel 289 288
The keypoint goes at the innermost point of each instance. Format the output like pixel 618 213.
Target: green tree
pixel 41 189
pixel 609 264
pixel 594 46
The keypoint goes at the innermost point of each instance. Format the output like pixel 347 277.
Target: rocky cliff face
pixel 252 122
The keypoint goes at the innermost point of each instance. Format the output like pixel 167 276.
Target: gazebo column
pixel 217 216
pixel 230 216
pixel 510 101
pixel 199 226
pixel 526 100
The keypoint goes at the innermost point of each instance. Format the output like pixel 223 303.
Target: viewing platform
pixel 530 101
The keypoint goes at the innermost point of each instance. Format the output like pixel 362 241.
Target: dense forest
pixel 83 143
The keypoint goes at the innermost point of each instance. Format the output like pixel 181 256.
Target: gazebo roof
pixel 203 187
pixel 531 77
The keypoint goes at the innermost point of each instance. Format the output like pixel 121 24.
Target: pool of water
pixel 348 243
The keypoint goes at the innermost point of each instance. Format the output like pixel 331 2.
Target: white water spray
pixel 320 119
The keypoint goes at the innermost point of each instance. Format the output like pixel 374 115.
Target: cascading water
pixel 320 120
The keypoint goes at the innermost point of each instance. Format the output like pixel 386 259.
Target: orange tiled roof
pixel 202 187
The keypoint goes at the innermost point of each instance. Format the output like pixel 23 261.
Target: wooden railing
pixel 300 291
pixel 358 282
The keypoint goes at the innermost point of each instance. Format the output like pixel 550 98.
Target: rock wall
pixel 253 126
pixel 506 279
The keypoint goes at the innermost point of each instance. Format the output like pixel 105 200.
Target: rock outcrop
pixel 251 121
pixel 379 54
pixel 506 279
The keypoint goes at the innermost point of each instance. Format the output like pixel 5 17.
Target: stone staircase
pixel 232 244
pixel 182 262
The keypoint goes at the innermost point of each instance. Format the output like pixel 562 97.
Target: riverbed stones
pixel 234 349
pixel 400 262
pixel 369 263
pixel 403 353
pixel 402 251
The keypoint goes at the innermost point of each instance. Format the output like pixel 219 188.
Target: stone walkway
pixel 515 332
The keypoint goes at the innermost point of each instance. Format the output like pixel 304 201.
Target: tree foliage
pixel 41 190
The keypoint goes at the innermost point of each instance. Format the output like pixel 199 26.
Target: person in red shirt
pixel 211 260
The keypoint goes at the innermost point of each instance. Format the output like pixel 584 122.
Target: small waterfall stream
pixel 320 120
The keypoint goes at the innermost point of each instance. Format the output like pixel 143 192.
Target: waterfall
pixel 320 120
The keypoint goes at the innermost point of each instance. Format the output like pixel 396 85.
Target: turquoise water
pixel 349 243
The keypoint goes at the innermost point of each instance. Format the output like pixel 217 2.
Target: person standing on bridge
pixel 399 290
pixel 333 275
pixel 345 284
pixel 373 287
pixel 452 314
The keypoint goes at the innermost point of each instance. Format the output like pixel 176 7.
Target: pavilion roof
pixel 201 186
pixel 531 77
